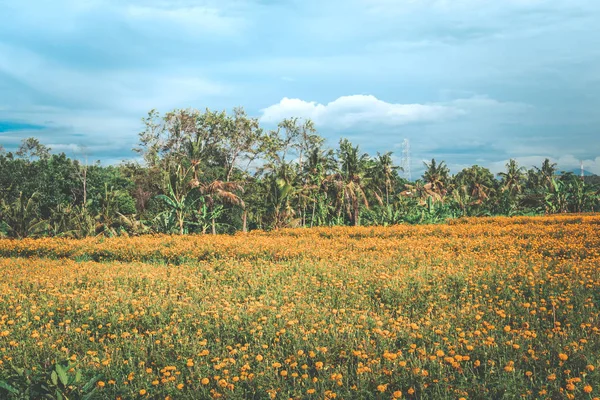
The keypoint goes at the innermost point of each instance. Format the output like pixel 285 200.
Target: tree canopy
pixel 214 172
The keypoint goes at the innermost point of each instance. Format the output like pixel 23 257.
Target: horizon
pixel 468 82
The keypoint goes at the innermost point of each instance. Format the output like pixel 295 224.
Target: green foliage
pixel 21 218
pixel 216 172
pixel 63 380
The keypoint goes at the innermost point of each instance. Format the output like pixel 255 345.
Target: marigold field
pixel 476 309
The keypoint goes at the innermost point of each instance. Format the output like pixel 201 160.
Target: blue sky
pixel 466 81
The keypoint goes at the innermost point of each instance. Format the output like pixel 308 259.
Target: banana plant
pixel 557 200
pixel 179 208
pixel 22 218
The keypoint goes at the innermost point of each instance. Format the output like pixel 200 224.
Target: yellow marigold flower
pixel 382 388
pixel 101 384
pixel 587 389
pixel 259 358
pixel 570 386
pixel 552 377
pixel 143 392
pixel 205 381
pixel 563 357
pixel 397 394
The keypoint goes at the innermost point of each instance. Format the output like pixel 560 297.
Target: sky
pixel 465 81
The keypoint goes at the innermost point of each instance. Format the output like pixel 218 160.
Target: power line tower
pixel 582 172
pixel 405 163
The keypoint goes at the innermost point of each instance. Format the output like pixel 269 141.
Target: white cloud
pixel 347 111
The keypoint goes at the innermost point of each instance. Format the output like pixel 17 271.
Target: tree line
pixel 214 172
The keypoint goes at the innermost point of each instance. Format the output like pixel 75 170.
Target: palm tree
pixel 351 180
pixel 219 191
pixel 437 176
pixel 383 172
pixel 477 182
pixel 546 173
pixel 420 191
pixel 318 168
pixel 281 188
pixel 512 179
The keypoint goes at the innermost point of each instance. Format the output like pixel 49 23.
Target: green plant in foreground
pixel 63 380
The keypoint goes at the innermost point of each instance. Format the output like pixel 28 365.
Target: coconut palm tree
pixel 546 173
pixel 383 173
pixel 218 190
pixel 478 183
pixel 512 179
pixel 351 180
pixel 319 166
pixel 437 176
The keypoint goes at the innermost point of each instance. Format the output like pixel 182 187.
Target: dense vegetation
pixel 481 308
pixel 214 172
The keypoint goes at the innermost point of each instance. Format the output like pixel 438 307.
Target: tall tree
pixel 478 182
pixel 352 179
pixel 384 172
pixel 512 179
pixel 219 191
pixel 437 176
pixel 31 147
pixel 546 173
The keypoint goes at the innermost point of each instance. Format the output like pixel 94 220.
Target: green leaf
pixel 78 376
pixel 54 378
pixel 59 395
pixel 7 387
pixel 62 374
pixel 167 200
pixel 89 395
pixel 91 383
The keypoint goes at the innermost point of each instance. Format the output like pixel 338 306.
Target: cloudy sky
pixel 466 81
